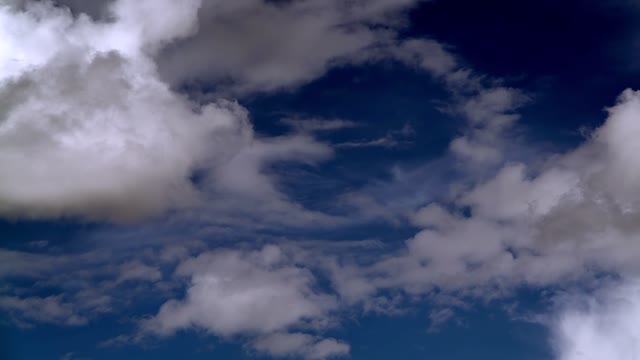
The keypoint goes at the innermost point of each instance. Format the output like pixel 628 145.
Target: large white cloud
pixel 602 326
pixel 86 127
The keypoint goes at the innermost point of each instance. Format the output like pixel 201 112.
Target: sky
pixel 319 179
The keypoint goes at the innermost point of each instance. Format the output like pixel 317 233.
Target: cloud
pixel 600 326
pixel 570 218
pixel 256 45
pixel 559 220
pixel 51 309
pixel 136 270
pixel 426 54
pixel 489 107
pixel 300 345
pixel 87 129
pixel 234 292
pixel 266 295
pixel 73 289
pixel 316 125
pixel 392 139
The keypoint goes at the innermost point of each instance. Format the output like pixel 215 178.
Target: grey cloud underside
pixel 253 45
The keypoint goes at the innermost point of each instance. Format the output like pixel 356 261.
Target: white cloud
pixel 510 194
pixel 565 218
pixel 599 327
pixel 300 345
pixel 234 292
pixel 570 218
pixel 87 129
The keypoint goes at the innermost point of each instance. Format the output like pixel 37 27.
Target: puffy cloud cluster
pixel 87 128
pixel 572 216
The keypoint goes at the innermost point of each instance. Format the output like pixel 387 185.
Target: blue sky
pixel 319 179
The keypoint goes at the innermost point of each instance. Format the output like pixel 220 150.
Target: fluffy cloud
pixel 567 218
pixel 541 226
pixel 234 292
pixel 599 327
pixel 87 128
pixel 261 293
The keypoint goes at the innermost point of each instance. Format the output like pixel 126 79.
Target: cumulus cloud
pixel 564 219
pixel 87 128
pixel 261 293
pixel 538 226
pixel 600 326
pixel 235 292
